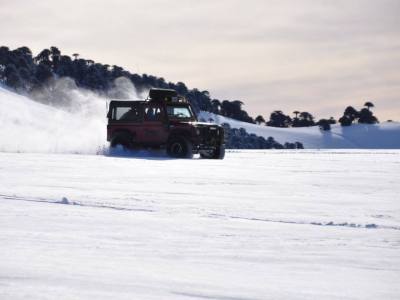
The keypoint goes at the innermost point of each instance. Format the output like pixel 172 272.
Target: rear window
pixel 124 113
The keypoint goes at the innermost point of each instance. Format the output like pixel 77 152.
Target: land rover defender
pixel 164 120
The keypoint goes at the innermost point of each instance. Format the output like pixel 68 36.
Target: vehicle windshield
pixel 179 112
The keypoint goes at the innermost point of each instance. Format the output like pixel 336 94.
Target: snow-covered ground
pixel 312 224
pixel 257 225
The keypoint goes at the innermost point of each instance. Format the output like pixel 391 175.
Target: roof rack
pixel 120 100
pixel 167 95
pixel 156 95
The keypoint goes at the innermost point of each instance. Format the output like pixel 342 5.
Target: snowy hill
pixel 358 136
pixel 28 126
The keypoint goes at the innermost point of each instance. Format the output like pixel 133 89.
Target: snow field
pixel 257 225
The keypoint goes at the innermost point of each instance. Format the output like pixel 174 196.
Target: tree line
pixel 306 119
pixel 22 71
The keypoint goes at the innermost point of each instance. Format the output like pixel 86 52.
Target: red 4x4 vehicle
pixel 165 120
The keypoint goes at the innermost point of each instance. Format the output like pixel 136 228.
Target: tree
pixel 43 73
pixel 13 78
pixel 181 88
pixel 259 119
pixel 65 66
pixel 236 107
pixel 296 112
pixel 216 106
pixel 367 117
pixel 55 51
pixel 324 124
pixel 55 58
pixel 306 119
pixel 226 109
pixel 24 51
pixel 369 105
pixel 43 56
pixel 279 119
pixel 350 114
pixel 345 120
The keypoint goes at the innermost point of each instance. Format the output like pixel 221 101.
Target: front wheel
pixel 180 147
pixel 218 153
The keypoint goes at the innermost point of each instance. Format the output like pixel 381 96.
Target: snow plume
pixel 62 119
pixel 124 89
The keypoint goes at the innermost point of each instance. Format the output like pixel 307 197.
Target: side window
pixel 124 113
pixel 153 113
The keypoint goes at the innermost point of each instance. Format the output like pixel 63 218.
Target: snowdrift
pixel 29 126
pixel 358 136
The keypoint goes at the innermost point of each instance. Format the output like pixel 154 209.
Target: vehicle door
pixel 155 128
pixel 125 117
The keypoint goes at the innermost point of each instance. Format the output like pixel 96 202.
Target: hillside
pixel 21 70
pixel 29 126
pixel 357 136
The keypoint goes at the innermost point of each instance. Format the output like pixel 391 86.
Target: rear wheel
pixel 122 140
pixel 179 147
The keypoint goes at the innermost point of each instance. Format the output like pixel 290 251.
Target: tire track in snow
pixel 65 201
pixel 330 223
pixel 213 297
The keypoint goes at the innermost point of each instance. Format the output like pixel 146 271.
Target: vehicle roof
pixel 126 102
pixel 135 102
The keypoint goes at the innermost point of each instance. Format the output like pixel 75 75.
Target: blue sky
pixel 313 55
